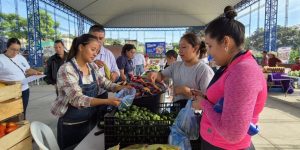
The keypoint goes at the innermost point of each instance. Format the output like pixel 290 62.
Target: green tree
pixel 48 25
pixel 11 28
pixel 286 36
pixel 256 41
pixel 12 25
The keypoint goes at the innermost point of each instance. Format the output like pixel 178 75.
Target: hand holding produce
pixel 152 76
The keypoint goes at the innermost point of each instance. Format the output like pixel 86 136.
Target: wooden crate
pixel 23 145
pixel 10 108
pixel 18 139
pixel 11 90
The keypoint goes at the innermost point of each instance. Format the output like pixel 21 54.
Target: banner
pixel 155 49
pixel 284 54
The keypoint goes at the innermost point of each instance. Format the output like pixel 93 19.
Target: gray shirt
pixel 197 76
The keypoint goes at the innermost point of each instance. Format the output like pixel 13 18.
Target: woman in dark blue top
pixel 125 63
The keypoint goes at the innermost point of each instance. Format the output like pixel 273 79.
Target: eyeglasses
pixel 15 50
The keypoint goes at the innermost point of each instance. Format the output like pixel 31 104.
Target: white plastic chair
pixel 38 129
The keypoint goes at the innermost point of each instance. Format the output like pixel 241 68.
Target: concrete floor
pixel 279 122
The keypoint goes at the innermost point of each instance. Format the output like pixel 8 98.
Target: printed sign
pixel 284 54
pixel 155 49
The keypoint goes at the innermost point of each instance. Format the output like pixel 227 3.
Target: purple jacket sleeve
pixel 240 94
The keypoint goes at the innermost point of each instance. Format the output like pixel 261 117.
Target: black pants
pixel 207 146
pixel 25 98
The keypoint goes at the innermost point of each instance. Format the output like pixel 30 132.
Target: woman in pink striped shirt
pixel 239 81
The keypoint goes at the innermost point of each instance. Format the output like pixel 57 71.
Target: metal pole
pixel 286 13
pixel 17 14
pixel 250 20
pixel 258 12
pixel 55 27
pixel 69 26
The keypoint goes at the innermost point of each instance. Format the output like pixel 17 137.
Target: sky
pixel 8 6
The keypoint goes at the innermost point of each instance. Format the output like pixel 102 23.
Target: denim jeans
pixel 139 70
pixel 25 98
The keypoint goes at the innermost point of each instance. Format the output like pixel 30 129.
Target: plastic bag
pixel 185 127
pixel 126 96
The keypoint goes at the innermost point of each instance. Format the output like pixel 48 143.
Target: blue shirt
pixel 124 63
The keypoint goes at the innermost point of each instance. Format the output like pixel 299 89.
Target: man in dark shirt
pixel 54 62
pixel 273 60
pixel 264 61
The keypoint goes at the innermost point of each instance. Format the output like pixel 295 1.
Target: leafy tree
pixel 48 25
pixel 286 36
pixel 10 27
pixel 256 41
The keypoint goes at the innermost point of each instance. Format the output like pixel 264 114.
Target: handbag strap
pixel 16 65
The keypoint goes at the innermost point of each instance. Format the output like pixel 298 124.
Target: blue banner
pixel 155 49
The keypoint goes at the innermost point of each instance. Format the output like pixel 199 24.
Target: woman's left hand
pixel 30 72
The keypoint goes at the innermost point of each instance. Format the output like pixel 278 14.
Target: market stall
pixel 147 121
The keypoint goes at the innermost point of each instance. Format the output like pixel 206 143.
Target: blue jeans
pixel 25 98
pixel 139 70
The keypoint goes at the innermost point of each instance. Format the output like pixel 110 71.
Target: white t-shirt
pixel 11 72
pixel 197 76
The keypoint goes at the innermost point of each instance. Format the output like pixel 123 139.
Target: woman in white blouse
pixel 14 67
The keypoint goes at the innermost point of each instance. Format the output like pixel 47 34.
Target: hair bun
pixel 202 44
pixel 229 12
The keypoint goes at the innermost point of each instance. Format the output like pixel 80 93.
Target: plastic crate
pixel 152 102
pixel 129 132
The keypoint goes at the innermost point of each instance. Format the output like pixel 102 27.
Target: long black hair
pixel 82 40
pixel 227 26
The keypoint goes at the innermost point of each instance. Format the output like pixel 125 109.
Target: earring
pixel 226 49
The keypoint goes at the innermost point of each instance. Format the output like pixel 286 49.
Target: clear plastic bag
pixel 185 127
pixel 127 97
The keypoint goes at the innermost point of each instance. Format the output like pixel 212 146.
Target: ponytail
pixel 82 40
pixel 202 49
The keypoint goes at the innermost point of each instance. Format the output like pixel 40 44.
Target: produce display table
pixel 279 80
pixel 297 79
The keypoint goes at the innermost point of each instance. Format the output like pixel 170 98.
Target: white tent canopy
pixel 151 13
